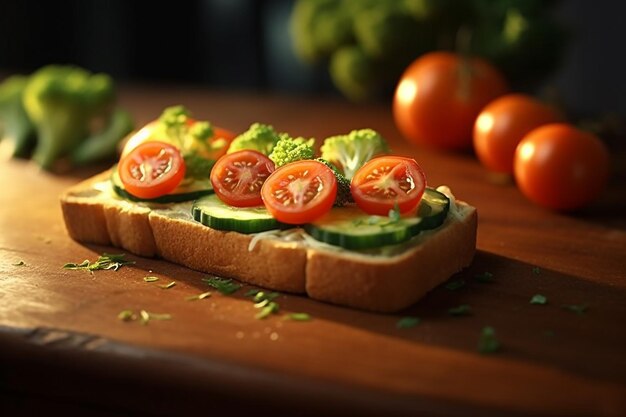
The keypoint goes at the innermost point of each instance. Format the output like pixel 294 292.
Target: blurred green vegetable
pixel 64 113
pixel 16 130
pixel 368 43
pixel 349 152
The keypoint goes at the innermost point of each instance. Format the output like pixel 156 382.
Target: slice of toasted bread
pixel 375 282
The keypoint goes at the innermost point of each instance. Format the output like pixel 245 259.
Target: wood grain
pixel 552 361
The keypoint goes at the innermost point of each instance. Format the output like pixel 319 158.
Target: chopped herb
pixel 488 343
pixel 407 322
pixel 455 285
pixel 252 292
pixel 126 315
pixel 298 317
pixel 484 277
pixel 357 222
pixel 268 309
pixel 105 261
pixel 199 296
pixel 269 296
pixel 536 270
pixel 150 279
pixel 19 263
pixel 461 310
pixel 539 299
pixel 224 285
pixel 576 308
pixel 146 317
pixel 168 286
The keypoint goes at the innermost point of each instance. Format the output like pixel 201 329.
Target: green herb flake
pixel 407 322
pixel 394 213
pixel 150 279
pixel 225 286
pixel 539 299
pixel 19 263
pixel 484 277
pixel 536 270
pixel 298 317
pixel 126 315
pixel 105 262
pixel 461 310
pixel 488 343
pixel 455 285
pixel 262 295
pixel 168 286
pixel 252 292
pixel 270 308
pixel 199 296
pixel 579 309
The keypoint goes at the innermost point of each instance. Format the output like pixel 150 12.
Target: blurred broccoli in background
pixel 367 44
pixel 63 112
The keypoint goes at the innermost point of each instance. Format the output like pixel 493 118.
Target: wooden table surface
pixel 61 341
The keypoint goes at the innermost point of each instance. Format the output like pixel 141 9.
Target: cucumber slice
pixel 185 192
pixel 213 212
pixel 351 228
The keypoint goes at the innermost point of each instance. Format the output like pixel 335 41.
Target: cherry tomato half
pixel 237 177
pixel 439 96
pixel 385 181
pixel 152 169
pixel 300 192
pixel 502 124
pixel 560 167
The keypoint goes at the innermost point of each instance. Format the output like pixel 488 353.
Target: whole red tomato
pixel 560 167
pixel 503 123
pixel 439 97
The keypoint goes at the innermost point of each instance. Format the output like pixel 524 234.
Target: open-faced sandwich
pixel 356 227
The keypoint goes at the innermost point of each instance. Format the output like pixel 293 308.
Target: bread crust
pixel 374 283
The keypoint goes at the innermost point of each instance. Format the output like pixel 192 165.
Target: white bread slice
pixel 383 283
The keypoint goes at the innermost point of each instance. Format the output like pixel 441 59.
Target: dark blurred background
pixel 246 44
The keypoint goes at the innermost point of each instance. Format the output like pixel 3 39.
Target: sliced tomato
pixel 300 192
pixel 152 169
pixel 237 178
pixel 383 182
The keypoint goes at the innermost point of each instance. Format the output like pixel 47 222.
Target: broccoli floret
pixel 63 102
pixel 258 137
pixel 290 149
pixel 344 195
pixel 16 130
pixel 103 144
pixel 349 152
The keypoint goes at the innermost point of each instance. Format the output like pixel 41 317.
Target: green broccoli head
pixel 16 130
pixel 258 137
pixel 290 149
pixel 63 102
pixel 349 152
pixel 344 195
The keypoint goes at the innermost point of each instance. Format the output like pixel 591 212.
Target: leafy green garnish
pixel 576 308
pixel 488 343
pixel 225 286
pixel 150 279
pixel 539 299
pixel 394 213
pixel 104 262
pixel 484 277
pixel 407 322
pixel 455 285
pixel 199 296
pixel 461 310
pixel 19 263
pixel 252 292
pixel 262 296
pixel 536 270
pixel 168 286
pixel 298 317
